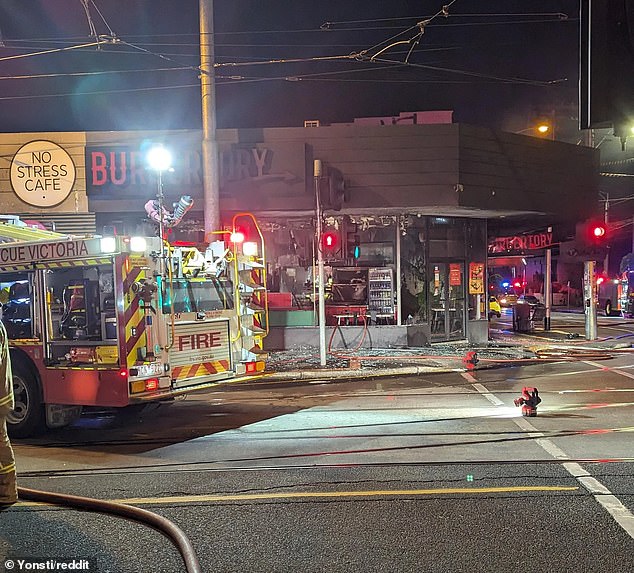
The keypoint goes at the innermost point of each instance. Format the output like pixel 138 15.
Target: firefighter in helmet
pixel 8 487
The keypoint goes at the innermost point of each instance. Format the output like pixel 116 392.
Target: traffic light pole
pixel 317 168
pixel 548 296
pixel 589 300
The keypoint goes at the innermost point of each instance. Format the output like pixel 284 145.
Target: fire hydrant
pixel 528 401
pixel 470 360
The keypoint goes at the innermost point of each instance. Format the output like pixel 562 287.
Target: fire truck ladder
pixel 12 232
pixel 250 292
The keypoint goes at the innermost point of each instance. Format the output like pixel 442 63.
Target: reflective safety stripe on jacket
pixel 9 469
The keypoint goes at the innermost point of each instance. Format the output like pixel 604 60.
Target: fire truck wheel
pixel 27 418
pixel 608 308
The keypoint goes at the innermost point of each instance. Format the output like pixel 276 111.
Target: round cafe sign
pixel 42 174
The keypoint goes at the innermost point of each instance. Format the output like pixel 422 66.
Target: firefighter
pixel 8 486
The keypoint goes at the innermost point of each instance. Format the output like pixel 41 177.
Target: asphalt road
pixel 434 473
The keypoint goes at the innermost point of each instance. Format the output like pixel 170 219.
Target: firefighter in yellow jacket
pixel 8 487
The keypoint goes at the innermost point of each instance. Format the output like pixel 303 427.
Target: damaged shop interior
pixel 390 280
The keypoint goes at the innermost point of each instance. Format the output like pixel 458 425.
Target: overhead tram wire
pixel 558 15
pixel 189 466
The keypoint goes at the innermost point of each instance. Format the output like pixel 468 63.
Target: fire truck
pixel 612 295
pixel 112 321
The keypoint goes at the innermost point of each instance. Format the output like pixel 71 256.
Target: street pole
pixel 589 296
pixel 548 285
pixel 399 318
pixel 317 168
pixel 211 176
pixel 606 261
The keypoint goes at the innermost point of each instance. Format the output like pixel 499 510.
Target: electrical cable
pixel 143 516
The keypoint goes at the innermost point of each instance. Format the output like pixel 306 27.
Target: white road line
pixel 621 514
pixel 490 397
pixel 481 389
pixel 602 367
pixel 469 377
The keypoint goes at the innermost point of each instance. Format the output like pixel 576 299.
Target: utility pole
pixel 606 260
pixel 548 297
pixel 321 294
pixel 589 300
pixel 211 175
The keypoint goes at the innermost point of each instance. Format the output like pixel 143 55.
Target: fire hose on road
pixel 158 522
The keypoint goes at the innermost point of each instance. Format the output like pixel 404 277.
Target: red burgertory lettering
pixel 198 341
pixel 117 168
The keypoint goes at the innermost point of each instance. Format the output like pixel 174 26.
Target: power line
pixel 102 72
pixel 558 15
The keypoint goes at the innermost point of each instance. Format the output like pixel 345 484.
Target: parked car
pixel 494 308
pixel 528 299
pixel 507 300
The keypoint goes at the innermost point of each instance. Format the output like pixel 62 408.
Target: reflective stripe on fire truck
pixel 201 369
pixel 133 315
pixel 82 263
pixel 56 264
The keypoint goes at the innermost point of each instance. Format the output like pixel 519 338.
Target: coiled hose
pixel 174 533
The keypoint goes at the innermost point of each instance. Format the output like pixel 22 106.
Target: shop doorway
pixel 447 301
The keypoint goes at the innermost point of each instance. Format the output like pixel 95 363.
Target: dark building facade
pixel 409 237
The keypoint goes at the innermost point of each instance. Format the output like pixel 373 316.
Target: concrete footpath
pixel 505 348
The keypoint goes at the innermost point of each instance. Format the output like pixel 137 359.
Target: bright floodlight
pixel 250 249
pixel 543 128
pixel 138 244
pixel 159 158
pixel 108 244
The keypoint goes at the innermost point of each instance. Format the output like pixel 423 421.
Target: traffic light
pixel 330 242
pixel 337 192
pixel 598 232
pixel 353 246
pixel 353 240
pixel 591 239
pixel 591 233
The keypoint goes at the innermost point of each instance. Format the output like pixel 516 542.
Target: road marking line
pixel 481 389
pixel 325 494
pixel 335 494
pixel 621 514
pixel 602 367
pixel 490 397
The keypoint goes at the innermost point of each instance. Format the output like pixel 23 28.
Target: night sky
pixel 496 62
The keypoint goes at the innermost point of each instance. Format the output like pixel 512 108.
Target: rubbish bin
pixel 522 318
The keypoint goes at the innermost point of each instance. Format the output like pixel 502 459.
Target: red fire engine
pixel 114 321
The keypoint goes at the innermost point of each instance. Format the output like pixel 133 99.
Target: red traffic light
pixel 598 231
pixel 330 240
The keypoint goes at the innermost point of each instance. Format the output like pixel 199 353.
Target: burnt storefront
pixel 406 214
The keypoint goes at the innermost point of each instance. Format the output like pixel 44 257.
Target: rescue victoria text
pixel 44 251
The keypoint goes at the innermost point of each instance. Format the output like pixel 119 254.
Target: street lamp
pixel 541 129
pixel 159 159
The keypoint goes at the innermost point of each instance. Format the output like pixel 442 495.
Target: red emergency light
pixel 600 280
pixel 151 384
pixel 598 231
